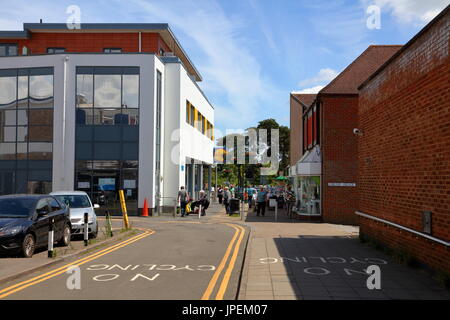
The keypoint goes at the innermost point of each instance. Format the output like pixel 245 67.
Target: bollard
pixel 175 202
pixel 108 224
pixel 51 224
pixel 276 212
pixel 199 211
pixel 86 229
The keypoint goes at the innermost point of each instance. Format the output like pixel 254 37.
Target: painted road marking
pixel 227 276
pixel 239 233
pixel 51 274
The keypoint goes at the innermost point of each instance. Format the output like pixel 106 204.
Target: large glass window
pixel 7 49
pixel 107 135
pixel 308 195
pixel 26 130
pixel 107 96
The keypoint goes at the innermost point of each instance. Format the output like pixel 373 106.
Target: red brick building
pixel 404 149
pixel 325 175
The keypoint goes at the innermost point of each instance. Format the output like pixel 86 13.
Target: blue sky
pixel 252 53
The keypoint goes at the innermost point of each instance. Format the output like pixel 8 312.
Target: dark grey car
pixel 24 223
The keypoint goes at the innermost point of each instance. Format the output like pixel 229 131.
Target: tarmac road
pixel 185 258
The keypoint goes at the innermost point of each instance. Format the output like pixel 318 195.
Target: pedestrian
pixel 226 200
pixel 220 194
pixel 202 202
pixel 183 198
pixel 261 202
pixel 290 201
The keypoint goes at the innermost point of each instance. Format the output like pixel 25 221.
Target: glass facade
pixel 107 135
pixel 26 130
pixel 308 195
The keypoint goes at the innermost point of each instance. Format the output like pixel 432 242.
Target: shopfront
pixel 308 183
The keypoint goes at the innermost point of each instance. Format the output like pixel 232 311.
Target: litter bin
pixel 234 205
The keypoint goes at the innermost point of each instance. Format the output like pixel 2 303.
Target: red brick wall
pixel 90 42
pixel 404 153
pixel 296 133
pixel 339 116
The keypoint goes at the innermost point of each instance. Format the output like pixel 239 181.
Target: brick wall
pixel 404 153
pixel 339 114
pixel 296 133
pixel 90 42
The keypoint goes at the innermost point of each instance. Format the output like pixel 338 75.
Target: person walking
pixel 261 202
pixel 226 200
pixel 202 202
pixel 183 198
pixel 220 194
pixel 290 201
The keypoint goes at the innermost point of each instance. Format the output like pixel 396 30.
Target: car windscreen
pixel 74 201
pixel 16 207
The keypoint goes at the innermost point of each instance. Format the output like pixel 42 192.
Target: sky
pixel 253 53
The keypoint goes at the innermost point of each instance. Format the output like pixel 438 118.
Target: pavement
pixel 294 260
pixel 13 267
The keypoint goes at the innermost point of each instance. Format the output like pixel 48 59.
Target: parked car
pixel 24 223
pixel 79 203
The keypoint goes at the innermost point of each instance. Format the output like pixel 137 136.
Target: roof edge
pixel 406 46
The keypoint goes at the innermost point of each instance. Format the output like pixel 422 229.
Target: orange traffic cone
pixel 145 209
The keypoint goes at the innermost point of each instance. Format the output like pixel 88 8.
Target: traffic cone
pixel 145 209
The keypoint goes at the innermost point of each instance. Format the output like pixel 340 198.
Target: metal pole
pixel 50 238
pixel 175 208
pixel 276 212
pixel 215 189
pixel 199 211
pixel 86 229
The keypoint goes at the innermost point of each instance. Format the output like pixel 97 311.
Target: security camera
pixel 357 132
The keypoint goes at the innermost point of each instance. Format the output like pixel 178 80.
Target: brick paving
pixel 293 260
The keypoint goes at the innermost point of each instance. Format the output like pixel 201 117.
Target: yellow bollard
pixel 124 210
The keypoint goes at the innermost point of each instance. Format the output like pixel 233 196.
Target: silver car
pixel 79 203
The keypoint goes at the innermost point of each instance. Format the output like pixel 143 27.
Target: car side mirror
pixel 42 213
pixel 96 206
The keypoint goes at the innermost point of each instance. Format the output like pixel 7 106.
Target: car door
pixel 57 213
pixel 41 222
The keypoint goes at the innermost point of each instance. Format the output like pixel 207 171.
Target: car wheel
pixel 65 239
pixel 95 233
pixel 28 245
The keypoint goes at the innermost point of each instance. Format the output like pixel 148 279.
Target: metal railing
pixel 159 206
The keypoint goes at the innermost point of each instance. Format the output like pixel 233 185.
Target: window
pixel 311 127
pixel 56 50
pixel 26 129
pixel 188 110
pixel 107 95
pixel 161 51
pixel 192 115
pixel 112 50
pixel 7 49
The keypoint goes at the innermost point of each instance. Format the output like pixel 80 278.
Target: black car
pixel 24 223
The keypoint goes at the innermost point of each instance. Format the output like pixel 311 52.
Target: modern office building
pixel 99 109
pixel 324 158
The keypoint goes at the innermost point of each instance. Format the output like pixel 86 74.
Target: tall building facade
pixel 100 109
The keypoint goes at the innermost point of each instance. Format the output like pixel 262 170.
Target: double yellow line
pixel 238 236
pixel 51 274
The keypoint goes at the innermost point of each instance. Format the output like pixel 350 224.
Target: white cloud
pixel 315 89
pixel 230 70
pixel 324 76
pixel 411 11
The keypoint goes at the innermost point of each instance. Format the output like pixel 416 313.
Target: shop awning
pixel 310 164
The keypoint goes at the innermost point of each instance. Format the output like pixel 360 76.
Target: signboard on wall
pixel 107 184
pixel 341 184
